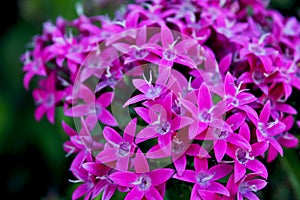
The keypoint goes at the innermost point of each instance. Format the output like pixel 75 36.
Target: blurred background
pixel 32 161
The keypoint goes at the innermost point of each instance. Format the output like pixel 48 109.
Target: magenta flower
pixel 149 91
pixel 246 187
pixel 204 179
pixel 246 158
pixel 258 49
pixel 161 123
pixel 93 109
pixel 34 63
pixel 119 149
pixel 266 131
pixel 205 113
pixel 47 98
pixel 285 139
pixel 96 181
pixel 235 96
pixel 142 184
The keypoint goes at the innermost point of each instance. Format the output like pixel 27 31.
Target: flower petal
pixel 124 178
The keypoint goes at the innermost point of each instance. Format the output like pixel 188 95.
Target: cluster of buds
pixel 170 89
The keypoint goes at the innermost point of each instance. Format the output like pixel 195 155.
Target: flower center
pixel 242 156
pixel 169 54
pixel 258 50
pixel 140 54
pixel 220 134
pixel 143 182
pixel 204 116
pixel 204 179
pixel 153 92
pixel 50 100
pixel 244 188
pixel 124 149
pixel 163 127
pixel 258 77
pixel 235 102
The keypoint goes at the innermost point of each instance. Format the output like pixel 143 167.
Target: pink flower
pixel 204 179
pixel 93 109
pixel 205 113
pixel 246 158
pixel 266 131
pixel 285 139
pixel 142 184
pixel 161 122
pixel 47 98
pixel 119 149
pixel 246 187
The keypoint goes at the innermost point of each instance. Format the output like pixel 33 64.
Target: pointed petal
pixel 135 194
pixel 124 178
pixel 230 88
pixel 218 188
pixel 187 176
pixel 180 164
pixel 140 162
pixel 122 163
pixel 146 134
pixel 200 164
pixel 265 113
pixel 108 192
pixel 220 171
pixel 152 193
pixel 220 148
pixel 107 155
pixel 135 99
pixel 129 131
pixel 143 113
pixel 106 99
pixel 239 171
pixel 107 118
pixel 204 97
pixel 257 167
pixel 160 176
pixel 112 136
pixel 238 141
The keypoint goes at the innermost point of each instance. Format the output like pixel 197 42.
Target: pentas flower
pixel 235 96
pixel 93 109
pixel 285 139
pixel 205 179
pixel 120 149
pixel 205 113
pixel 246 158
pixel 142 184
pixel 34 65
pixel 161 123
pixel 47 98
pixel 246 187
pixel 258 49
pixel 172 50
pixel 96 181
pixel 266 131
pixel 149 92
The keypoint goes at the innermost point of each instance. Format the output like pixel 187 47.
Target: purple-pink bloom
pixel 204 178
pixel 119 148
pixel 47 98
pixel 93 109
pixel 142 184
pixel 246 187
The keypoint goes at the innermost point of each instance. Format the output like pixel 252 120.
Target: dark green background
pixel 32 161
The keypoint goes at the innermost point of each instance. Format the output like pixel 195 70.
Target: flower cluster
pixel 190 90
